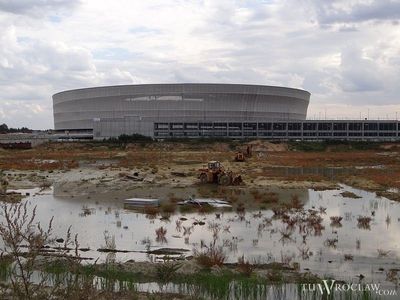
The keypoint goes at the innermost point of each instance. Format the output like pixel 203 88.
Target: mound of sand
pixel 264 146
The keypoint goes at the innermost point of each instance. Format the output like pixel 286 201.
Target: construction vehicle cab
pixel 239 156
pixel 214 165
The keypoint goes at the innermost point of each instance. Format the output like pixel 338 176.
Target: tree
pixel 3 128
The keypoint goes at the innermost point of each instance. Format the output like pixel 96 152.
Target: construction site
pixel 258 212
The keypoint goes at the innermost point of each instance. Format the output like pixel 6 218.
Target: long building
pixel 114 110
pixel 192 110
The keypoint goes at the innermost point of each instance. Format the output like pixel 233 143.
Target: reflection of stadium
pixel 203 110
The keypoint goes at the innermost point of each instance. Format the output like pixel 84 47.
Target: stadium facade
pixel 194 110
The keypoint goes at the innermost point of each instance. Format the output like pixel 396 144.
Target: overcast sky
pixel 346 53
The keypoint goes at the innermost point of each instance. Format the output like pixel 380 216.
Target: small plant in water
pixel 364 222
pixel 305 252
pixel 286 235
pixel 348 257
pixel 295 202
pixel 332 243
pixel 109 241
pixel 286 259
pixel 336 221
pixel 160 235
pixel 383 253
pixel 213 256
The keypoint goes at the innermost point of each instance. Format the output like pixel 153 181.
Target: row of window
pixel 280 126
pixel 274 134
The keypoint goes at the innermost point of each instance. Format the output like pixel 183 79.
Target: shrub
pixel 168 207
pixel 212 256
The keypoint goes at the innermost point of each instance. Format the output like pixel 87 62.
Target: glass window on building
pixel 294 126
pixel 355 126
pixel 309 126
pixel 250 126
pixel 387 126
pixel 324 126
pixel 279 126
pixel 176 126
pixel 267 133
pixel 249 133
pixel 220 125
pixel 191 126
pixel 294 133
pixel 161 126
pixel 370 126
pixel 264 126
pixel 339 126
pixel 355 133
pixel 340 133
pixel 235 126
pixel 232 133
pixel 205 125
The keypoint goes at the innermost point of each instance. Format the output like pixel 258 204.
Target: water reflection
pixel 337 244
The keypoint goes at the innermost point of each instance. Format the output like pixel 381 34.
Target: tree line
pixel 5 129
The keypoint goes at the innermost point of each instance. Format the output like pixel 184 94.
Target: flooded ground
pixel 343 250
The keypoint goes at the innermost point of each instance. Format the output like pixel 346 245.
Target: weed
pixel 165 272
pixel 348 257
pixel 383 253
pixel 212 256
pixel 160 235
pixel 244 267
pixel 168 207
pixel 295 202
pixel 332 243
pixel 151 211
pixel 336 221
pixel 364 222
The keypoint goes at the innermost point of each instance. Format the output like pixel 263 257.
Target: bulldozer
pixel 240 155
pixel 215 173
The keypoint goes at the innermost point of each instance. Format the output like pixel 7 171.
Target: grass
pixel 165 272
pixel 316 146
pixel 201 285
pixel 212 256
pixel 5 264
pixel 245 267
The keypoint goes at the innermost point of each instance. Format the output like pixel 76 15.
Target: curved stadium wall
pixel 114 110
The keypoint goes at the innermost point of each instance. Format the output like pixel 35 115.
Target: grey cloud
pixel 359 74
pixel 377 10
pixel 36 8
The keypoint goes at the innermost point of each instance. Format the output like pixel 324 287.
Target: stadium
pixel 192 110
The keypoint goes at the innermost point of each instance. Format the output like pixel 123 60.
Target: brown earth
pixel 101 163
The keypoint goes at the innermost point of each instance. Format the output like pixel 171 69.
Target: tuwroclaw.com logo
pixel 328 287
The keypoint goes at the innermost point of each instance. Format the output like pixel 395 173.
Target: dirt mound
pixel 264 146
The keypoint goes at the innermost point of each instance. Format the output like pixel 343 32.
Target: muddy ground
pixel 115 170
pixel 81 168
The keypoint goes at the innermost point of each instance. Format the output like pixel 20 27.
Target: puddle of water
pixel 102 215
pixel 328 172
